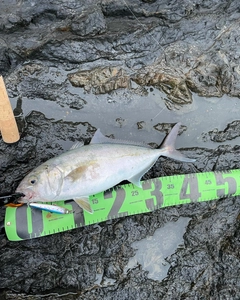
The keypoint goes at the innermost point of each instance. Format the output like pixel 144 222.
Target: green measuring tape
pixel 124 200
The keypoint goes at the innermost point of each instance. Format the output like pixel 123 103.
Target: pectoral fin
pixel 89 169
pixel 84 203
pixel 77 173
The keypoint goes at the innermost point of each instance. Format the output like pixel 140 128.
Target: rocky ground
pixel 58 50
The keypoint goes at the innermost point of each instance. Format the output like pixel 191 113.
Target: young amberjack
pixel 87 170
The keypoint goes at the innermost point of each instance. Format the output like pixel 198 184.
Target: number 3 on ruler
pixel 156 192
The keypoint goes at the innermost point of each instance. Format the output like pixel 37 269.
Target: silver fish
pixel 87 170
pixel 51 208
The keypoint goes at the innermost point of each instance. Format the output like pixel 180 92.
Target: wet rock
pixel 200 64
pixel 8 59
pixel 230 132
pixel 48 52
pixel 213 69
pixel 90 22
pixel 120 122
pixel 141 124
pixel 101 80
pixel 37 80
pixel 163 127
pixel 173 86
pixel 83 252
pixel 149 1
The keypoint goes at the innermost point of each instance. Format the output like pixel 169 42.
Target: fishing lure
pixel 51 208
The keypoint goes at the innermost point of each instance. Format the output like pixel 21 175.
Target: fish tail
pixel 168 146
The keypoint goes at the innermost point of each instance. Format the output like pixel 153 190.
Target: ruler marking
pixel 124 200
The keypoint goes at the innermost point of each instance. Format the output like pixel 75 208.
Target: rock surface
pixel 49 51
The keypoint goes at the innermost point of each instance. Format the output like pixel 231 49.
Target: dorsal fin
pixel 77 145
pixel 99 138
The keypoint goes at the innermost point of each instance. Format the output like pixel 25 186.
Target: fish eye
pixel 33 180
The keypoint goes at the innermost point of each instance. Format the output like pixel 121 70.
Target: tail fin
pixel 168 146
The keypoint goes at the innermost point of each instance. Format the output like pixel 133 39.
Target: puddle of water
pixel 102 280
pixel 120 112
pixel 151 251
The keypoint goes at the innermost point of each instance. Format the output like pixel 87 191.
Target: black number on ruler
pixel 134 193
pixel 118 201
pixel 156 192
pixel 208 181
pixel 95 201
pixel 190 189
pixel 231 187
pixel 22 223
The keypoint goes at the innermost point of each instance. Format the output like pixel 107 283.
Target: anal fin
pixel 137 177
pixel 136 180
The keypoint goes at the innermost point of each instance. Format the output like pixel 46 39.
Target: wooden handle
pixel 8 125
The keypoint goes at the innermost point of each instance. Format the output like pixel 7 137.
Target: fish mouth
pixel 20 200
pixel 19 195
pixel 24 198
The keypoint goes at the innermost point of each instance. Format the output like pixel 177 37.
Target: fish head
pixel 40 185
